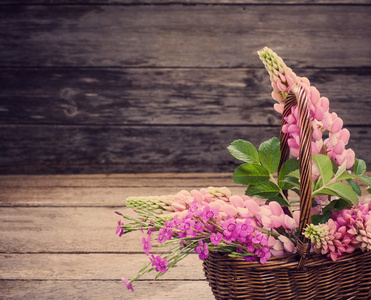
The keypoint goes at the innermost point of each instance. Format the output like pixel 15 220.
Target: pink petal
pixel 337 125
pixel 236 201
pixel 252 206
pixel 314 95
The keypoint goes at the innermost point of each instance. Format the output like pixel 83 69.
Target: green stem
pixel 281 193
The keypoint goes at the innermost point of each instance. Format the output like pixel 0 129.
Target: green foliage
pixel 289 166
pixel 359 167
pixel 259 166
pixel 324 165
pixel 270 154
pixel 266 190
pixel 244 151
pixel 250 174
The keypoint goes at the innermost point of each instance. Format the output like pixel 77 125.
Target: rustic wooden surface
pixel 58 237
pixel 127 87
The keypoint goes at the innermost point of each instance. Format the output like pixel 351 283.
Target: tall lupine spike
pixel 281 76
pixel 283 79
pixel 156 204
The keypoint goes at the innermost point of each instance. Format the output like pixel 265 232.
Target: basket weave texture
pixel 301 276
pixel 235 278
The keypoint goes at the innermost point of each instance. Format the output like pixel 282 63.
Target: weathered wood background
pixel 165 86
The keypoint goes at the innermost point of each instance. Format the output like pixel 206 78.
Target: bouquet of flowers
pixel 263 223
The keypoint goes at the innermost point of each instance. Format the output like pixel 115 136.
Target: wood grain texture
pixel 121 149
pixel 168 96
pixel 104 289
pixel 152 2
pixel 71 251
pixel 184 36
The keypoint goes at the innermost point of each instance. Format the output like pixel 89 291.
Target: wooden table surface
pixel 58 237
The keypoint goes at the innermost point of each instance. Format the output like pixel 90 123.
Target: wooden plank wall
pixel 127 86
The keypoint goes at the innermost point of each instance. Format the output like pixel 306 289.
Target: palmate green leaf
pixel 270 154
pixel 359 167
pixel 288 167
pixel 324 165
pixel 341 190
pixel 244 151
pixel 248 174
pixel 265 190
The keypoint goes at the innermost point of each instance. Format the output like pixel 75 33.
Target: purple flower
pixel 187 226
pixel 245 228
pixel 119 230
pixel 127 283
pixel 147 246
pixel 250 258
pixel 229 227
pixel 208 213
pixel 202 250
pixel 216 238
pixel 159 263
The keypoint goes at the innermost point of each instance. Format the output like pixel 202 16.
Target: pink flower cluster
pixel 257 229
pixel 322 120
pixel 344 232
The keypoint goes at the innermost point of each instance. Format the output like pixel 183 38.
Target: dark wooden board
pixel 184 35
pixel 122 149
pixel 224 2
pixel 168 96
pixel 119 149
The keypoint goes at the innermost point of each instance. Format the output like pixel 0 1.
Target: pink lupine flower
pixel 229 210
pixel 252 206
pixel 276 208
pixel 287 244
pixel 236 201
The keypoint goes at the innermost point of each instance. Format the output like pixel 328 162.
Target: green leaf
pixel 295 174
pixel 288 167
pixel 354 185
pixel 265 190
pixel 324 165
pixel 244 151
pixel 344 176
pixel 270 154
pixel 278 199
pixel 359 167
pixel 292 181
pixel 250 174
pixel 337 204
pixel 321 219
pixel 365 179
pixel 341 190
pixel 342 173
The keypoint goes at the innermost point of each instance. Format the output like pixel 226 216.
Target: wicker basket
pixel 301 276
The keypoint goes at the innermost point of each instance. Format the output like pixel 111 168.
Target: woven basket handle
pixel 297 96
